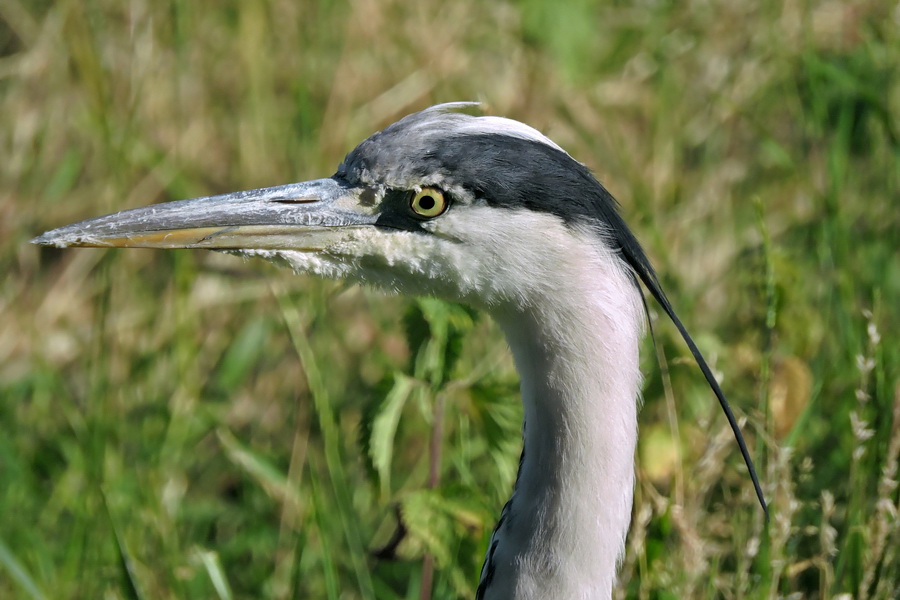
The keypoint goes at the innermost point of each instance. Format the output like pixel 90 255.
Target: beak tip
pixel 45 239
pixel 57 238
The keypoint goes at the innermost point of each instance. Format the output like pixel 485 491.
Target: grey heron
pixel 487 211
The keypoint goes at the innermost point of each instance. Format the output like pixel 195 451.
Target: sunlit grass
pixel 181 424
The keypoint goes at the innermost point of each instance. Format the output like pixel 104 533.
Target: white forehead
pixel 504 126
pixel 447 119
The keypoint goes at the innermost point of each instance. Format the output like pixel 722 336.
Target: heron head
pixel 467 208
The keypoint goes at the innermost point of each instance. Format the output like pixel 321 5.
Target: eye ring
pixel 429 203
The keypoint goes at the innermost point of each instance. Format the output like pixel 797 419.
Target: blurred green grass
pixel 186 424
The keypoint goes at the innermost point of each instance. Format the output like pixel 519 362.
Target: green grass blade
pixel 332 443
pixel 213 566
pixel 19 573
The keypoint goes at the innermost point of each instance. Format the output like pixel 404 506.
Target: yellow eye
pixel 429 203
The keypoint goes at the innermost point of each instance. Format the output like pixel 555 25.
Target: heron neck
pixel 577 354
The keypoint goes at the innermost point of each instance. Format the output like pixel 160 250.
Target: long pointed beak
pixel 299 216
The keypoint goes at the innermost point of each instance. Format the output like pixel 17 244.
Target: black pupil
pixel 427 202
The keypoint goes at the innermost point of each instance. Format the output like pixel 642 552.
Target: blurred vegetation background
pixel 192 425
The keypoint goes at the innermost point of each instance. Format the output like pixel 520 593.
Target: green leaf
pixel 435 332
pixel 429 522
pixel 384 428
